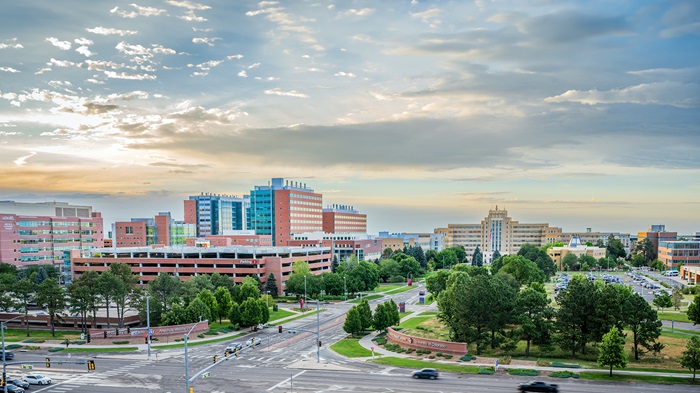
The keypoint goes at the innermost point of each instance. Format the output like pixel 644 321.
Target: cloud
pixel 231 57
pixel 345 74
pixel 682 95
pixel 63 45
pixel 243 74
pixel 83 41
pixel 430 16
pixel 140 11
pixel 84 50
pixel 360 12
pixel 62 63
pixel 206 40
pixel 191 17
pixel 565 27
pixel 9 69
pixel 11 43
pixel 124 75
pixel 21 161
pixel 188 4
pixel 111 31
pixel 280 92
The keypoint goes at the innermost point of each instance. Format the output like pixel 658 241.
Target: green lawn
pixel 100 350
pixel 418 364
pixel 387 288
pixel 412 323
pixel 304 315
pixel 673 316
pixel 636 378
pixel 21 334
pixel 279 314
pixel 399 290
pixel 181 344
pixel 368 298
pixel 351 348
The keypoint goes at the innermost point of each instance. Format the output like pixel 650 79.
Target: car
pixel 37 379
pixel 18 382
pixel 429 373
pixel 538 386
pixel 9 355
pixel 14 389
pixel 233 347
pixel 253 341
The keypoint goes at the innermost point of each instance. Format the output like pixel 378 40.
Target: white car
pixel 36 379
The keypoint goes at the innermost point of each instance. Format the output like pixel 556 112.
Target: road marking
pixel 285 381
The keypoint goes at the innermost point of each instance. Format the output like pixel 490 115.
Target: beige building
pixel 498 232
pixel 577 248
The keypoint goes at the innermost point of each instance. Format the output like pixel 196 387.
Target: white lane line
pixel 285 381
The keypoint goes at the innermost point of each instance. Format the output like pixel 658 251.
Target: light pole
pixel 267 298
pixel 148 326
pixel 304 287
pixel 4 361
pixel 345 288
pixel 187 369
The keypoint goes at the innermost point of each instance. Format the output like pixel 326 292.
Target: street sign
pixel 206 375
pixel 28 366
pixel 372 348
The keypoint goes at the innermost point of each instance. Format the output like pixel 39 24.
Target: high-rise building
pixel 161 229
pixel 39 233
pixel 215 213
pixel 343 219
pixel 283 208
pixel 656 234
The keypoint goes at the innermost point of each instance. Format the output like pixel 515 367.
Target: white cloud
pixel 124 75
pixel 95 81
pixel 234 57
pixel 11 43
pixel 111 31
pixel 280 92
pixel 140 11
pixel 188 4
pixel 682 95
pixel 83 41
pixel 191 17
pixel 62 63
pixel 63 45
pixel 431 16
pixel 84 50
pixel 21 161
pixel 346 74
pixel 243 74
pixel 360 12
pixel 101 65
pixel 254 65
pixel 205 40
pixel 9 69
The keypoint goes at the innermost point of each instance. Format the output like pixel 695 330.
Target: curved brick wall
pixel 426 343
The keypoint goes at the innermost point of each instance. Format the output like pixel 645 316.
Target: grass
pixel 351 348
pixel 667 330
pixel 417 364
pixel 100 350
pixel 387 288
pixel 304 315
pixel 636 378
pixel 412 323
pixel 368 298
pixel 196 343
pixel 21 334
pixel 279 314
pixel 673 316
pixel 399 290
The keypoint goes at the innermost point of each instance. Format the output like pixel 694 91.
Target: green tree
pixel 353 321
pixel 691 355
pixel 107 286
pixel 52 296
pixel 177 315
pixel 125 290
pixel 496 254
pixel 646 248
pixel 436 283
pixel 393 310
pixel 382 318
pixel 541 258
pixel 638 260
pixel 247 290
pixel 408 265
pixel 694 310
pixel 388 268
pixel 615 249
pixel 234 316
pixel 575 319
pixel 24 291
pixel 523 269
pixel 535 316
pixel 271 284
pixel 40 276
pixel 222 280
pixel 677 298
pixel 224 303
pixel 365 314
pixel 209 300
pixel 446 258
pixel 612 350
pixel 477 257
pixel 643 322
pixel 197 311
pixel 609 308
pixel 663 301
pixel 83 295
pixel 334 264
pixel 332 283
pixel 165 288
pixel 365 275
pixel 570 262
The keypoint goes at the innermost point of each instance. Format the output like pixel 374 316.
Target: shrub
pixel 467 358
pixel 56 349
pixel 431 357
pixel 13 346
pixel 212 333
pixel 486 370
pixel 120 342
pixel 439 354
pixel 504 359
pixel 565 365
pixel 543 363
pixel 235 326
pixel 525 372
pixel 563 374
pixel 200 335
pixel 448 356
pixel 409 350
pixel 32 347
pixel 393 279
pixel 33 340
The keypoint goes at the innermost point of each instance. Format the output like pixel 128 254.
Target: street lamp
pixel 4 361
pixel 304 287
pixel 267 298
pixel 345 288
pixel 187 369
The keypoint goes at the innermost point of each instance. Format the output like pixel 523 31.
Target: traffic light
pixel 128 330
pixel 191 389
pixel 145 340
pixel 88 338
pixel 216 358
pixel 48 363
pixel 91 365
pixel 116 330
pixel 279 328
pixel 236 352
pixel 104 333
pixel 319 343
pixel 2 381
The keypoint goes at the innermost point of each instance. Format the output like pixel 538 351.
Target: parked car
pixel 19 382
pixel 9 355
pixel 36 379
pixel 538 386
pixel 429 373
pixel 14 389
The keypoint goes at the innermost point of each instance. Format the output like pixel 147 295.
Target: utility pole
pixel 148 326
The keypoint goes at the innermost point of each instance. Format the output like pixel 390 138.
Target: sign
pixel 372 348
pixel 410 281
pixel 82 336
pixel 28 366
pixel 301 303
pixel 206 375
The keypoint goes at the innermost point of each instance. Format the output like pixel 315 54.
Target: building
pixel 213 214
pixel 426 241
pixel 656 234
pixel 187 262
pixel 576 247
pixel 162 229
pixel 39 233
pixel 343 245
pixel 594 237
pixel 498 232
pixel 234 238
pixel 671 253
pixel 343 219
pixel 283 208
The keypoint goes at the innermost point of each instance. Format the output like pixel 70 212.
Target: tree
pixel 496 254
pixel 224 303
pixel 615 249
pixel 107 285
pixel 477 257
pixel 365 314
pixel 541 258
pixel 643 322
pixel 437 282
pixel 382 318
pixel 393 310
pixel 40 276
pixel 694 310
pixel 523 269
pixel 535 315
pixel 234 316
pixel 177 315
pixel 691 355
pixel 408 265
pixel 575 319
pixel 247 290
pixel 165 288
pixel 677 298
pixel 197 311
pixel 83 295
pixel 663 301
pixel 52 296
pixel 388 268
pixel 209 300
pixel 125 290
pixel 222 280
pixel 612 350
pixel 334 263
pixel 364 276
pixel 24 291
pixel 569 262
pixel 353 321
pixel 646 247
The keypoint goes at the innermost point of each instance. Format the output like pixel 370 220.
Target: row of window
pixel 30 232
pixel 55 223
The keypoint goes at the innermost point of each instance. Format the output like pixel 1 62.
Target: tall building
pixel 426 241
pixel 161 229
pixel 343 245
pixel 215 213
pixel 498 232
pixel 39 233
pixel 671 253
pixel 343 219
pixel 283 208
pixel 656 234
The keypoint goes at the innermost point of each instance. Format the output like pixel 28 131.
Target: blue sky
pixel 418 113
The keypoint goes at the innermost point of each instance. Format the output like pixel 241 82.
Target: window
pixel 129 230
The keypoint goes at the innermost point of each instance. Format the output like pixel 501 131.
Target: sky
pixel 581 114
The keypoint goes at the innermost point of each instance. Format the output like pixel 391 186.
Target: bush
pixel 32 347
pixel 448 356
pixel 200 335
pixel 431 357
pixel 120 342
pixel 525 372
pixel 394 279
pixel 467 358
pixel 78 342
pixel 563 374
pixel 565 365
pixel 212 333
pixel 13 346
pixel 423 352
pixel 486 370
pixel 56 349
pixel 34 340
pixel 410 350
pixel 439 354
pixel 504 359
pixel 543 363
